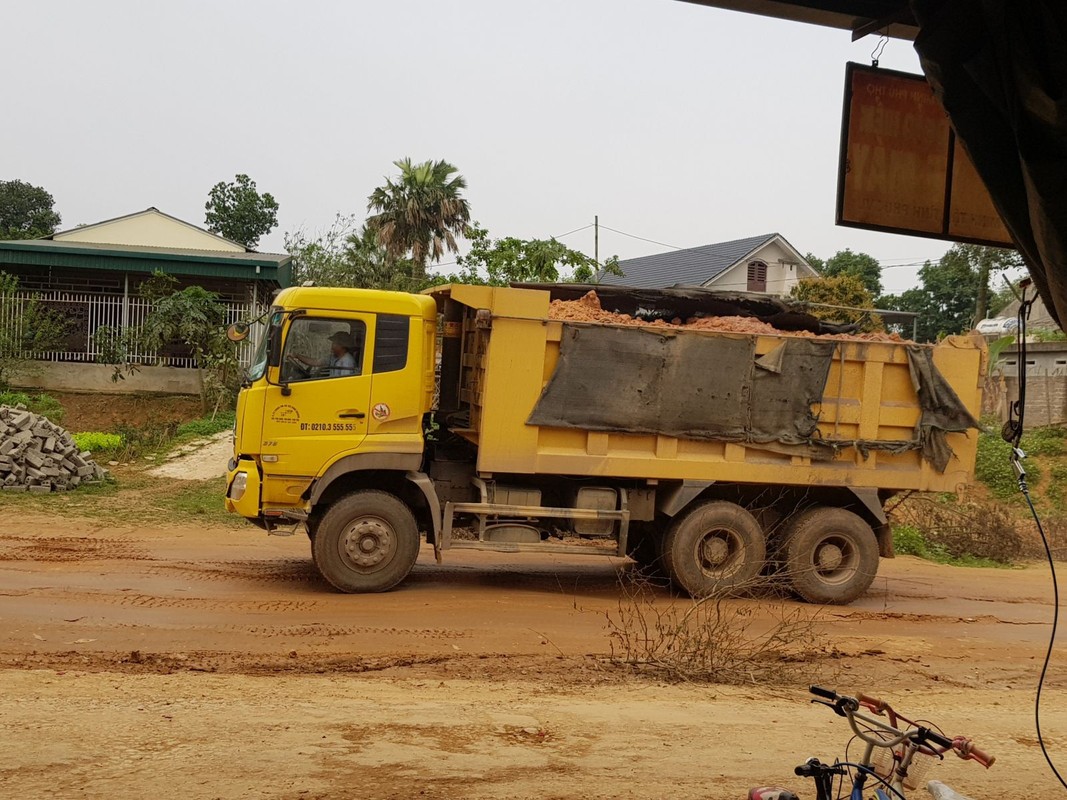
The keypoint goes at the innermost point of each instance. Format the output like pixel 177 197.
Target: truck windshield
pixel 258 367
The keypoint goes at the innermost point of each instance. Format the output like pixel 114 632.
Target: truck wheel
pixel 717 548
pixel 366 542
pixel 830 554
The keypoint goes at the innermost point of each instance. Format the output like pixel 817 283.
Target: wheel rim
pixel 367 544
pixel 835 559
pixel 720 553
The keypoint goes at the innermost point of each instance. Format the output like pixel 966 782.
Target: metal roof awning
pixel 272 267
pixel 862 17
pixel 999 70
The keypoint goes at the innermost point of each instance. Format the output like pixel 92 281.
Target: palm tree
pixel 421 213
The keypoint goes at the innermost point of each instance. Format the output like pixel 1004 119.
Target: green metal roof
pixel 274 267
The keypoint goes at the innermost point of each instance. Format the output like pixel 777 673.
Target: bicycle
pixel 888 760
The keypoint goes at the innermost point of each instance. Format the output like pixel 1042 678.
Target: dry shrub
pixel 711 640
pixel 1056 531
pixel 967 528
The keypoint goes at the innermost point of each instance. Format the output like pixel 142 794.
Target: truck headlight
pixel 237 488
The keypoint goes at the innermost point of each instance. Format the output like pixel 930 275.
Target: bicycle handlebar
pixel 873 703
pixel 964 748
pixel 848 706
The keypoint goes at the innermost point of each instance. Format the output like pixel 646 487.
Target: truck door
pixel 321 407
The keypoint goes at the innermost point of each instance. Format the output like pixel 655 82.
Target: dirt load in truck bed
pixel 589 309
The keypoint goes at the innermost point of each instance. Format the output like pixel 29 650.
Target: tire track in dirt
pixel 323 629
pixel 295 570
pixel 69 548
pixel 207 603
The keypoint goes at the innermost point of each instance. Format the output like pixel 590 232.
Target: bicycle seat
pixel 942 792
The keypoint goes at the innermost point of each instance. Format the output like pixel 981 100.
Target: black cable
pixel 1013 433
pixel 641 238
pixel 576 230
pixel 1052 636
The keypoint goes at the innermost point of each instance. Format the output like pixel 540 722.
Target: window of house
pixel 757 276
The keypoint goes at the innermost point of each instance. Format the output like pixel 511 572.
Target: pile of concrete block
pixel 38 456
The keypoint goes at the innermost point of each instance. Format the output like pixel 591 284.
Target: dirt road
pixel 144 662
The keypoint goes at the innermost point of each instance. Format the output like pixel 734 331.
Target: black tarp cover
pixel 647 380
pixel 999 68
pixel 643 380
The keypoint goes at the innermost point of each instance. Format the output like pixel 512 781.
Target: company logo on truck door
pixel 381 412
pixel 287 414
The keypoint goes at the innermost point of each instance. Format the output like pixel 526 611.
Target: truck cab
pixel 339 386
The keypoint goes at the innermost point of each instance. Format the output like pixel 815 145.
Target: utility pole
pixel 596 240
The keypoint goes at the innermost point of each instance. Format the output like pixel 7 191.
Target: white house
pixel 90 276
pixel 766 263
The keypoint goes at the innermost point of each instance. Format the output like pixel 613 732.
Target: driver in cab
pixel 341 361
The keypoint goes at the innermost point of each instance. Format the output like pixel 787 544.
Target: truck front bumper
pixel 243 485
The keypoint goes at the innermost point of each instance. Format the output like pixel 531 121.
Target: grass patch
pixel 205 427
pixel 43 404
pixel 910 541
pixel 201 501
pixel 1057 487
pixel 133 498
pixel 96 442
pixel 993 467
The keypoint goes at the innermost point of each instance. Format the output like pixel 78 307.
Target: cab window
pixel 317 348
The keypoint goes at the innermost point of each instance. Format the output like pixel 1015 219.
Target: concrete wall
pixel 75 377
pixel 150 229
pixel 1046 385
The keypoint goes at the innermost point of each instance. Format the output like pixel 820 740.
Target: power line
pixel 640 238
pixel 576 230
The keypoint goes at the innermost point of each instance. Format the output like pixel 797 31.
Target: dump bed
pixel 543 395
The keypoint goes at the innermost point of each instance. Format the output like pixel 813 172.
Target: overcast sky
pixel 674 122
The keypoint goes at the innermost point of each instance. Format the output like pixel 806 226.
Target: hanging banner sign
pixel 901 168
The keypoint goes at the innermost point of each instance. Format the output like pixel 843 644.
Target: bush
pixel 204 427
pixel 138 441
pixel 910 541
pixel 1044 441
pixel 993 466
pixel 965 533
pixel 710 640
pixel 43 404
pixel 97 442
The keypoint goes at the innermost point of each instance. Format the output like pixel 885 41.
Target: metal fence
pixel 85 314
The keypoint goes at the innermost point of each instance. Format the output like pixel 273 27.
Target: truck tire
pixel 366 541
pixel 830 555
pixel 716 548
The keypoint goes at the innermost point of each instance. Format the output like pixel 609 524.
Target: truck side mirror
pixel 238 332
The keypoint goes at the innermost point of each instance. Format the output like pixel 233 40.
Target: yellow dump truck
pixel 484 417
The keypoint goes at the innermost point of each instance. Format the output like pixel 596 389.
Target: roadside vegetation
pixel 127 449
pixel 989 525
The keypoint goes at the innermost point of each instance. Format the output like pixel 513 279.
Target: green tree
pixel 239 212
pixel 945 298
pixel 511 260
pixel 192 317
pixel 987 262
pixel 420 213
pixel 954 294
pixel 26 211
pixel 845 262
pixel 27 329
pixel 320 258
pixel 847 291
pixel 347 255
pixel 816 263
